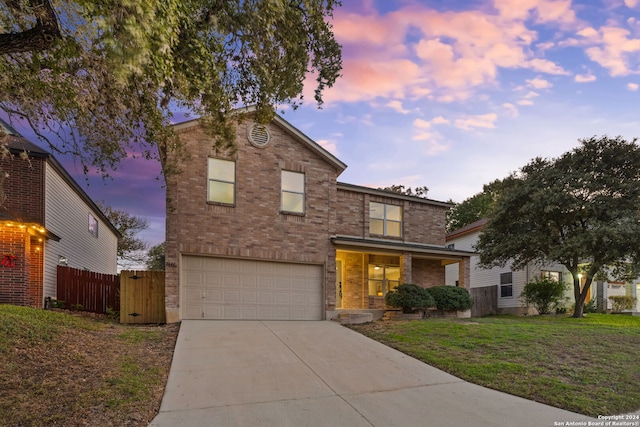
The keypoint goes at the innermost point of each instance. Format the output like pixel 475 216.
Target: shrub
pixel 544 294
pixel 451 298
pixel 409 297
pixel 622 302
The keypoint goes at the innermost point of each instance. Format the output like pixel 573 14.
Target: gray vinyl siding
pixel 491 277
pixel 67 216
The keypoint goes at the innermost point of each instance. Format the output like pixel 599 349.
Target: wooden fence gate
pixel 485 301
pixel 142 297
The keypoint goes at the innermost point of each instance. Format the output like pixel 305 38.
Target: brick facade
pixel 26 200
pixel 255 228
pixel 427 272
pixel 422 221
pixel 21 284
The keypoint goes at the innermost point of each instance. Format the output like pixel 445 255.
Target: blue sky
pixel 453 94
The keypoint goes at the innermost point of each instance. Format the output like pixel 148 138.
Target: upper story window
pixel 93 226
pixel 221 181
pixel 385 219
pixel 292 192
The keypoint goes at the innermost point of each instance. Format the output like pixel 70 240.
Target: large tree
pixel 156 257
pixel 581 210
pixel 131 248
pixel 99 79
pixel 474 208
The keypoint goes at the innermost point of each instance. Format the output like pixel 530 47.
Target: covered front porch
pixel 367 269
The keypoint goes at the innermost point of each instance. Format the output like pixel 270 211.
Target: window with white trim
pixel 506 285
pixel 385 219
pixel 553 275
pixel 221 186
pixel 93 226
pixel 293 192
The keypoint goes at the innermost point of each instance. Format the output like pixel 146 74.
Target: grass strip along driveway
pixel 589 366
pixel 61 369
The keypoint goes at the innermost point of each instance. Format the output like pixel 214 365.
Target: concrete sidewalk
pixel 252 373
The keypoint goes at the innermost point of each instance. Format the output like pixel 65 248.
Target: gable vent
pixel 259 135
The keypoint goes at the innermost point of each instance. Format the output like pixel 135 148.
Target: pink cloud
pixel 480 121
pixel 539 83
pixel 397 105
pixel 585 78
pixel 451 55
pixel 615 50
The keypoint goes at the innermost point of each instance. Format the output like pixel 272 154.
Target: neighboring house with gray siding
pixel 511 283
pixel 46 219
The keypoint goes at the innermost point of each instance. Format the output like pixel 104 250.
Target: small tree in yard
pixel 451 298
pixel 544 294
pixel 409 297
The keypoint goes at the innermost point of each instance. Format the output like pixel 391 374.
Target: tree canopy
pixel 101 79
pixel 130 247
pixel 474 208
pixel 156 257
pixel 418 192
pixel 581 210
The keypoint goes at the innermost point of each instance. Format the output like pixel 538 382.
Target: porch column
pixel 405 268
pixel 464 273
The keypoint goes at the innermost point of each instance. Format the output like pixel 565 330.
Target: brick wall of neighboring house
pixel 254 228
pixel 36 272
pixel 427 272
pixel 14 280
pixel 24 188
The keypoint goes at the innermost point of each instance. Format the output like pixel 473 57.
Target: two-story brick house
pixel 46 219
pixel 266 231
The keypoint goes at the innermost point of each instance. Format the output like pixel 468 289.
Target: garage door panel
pixel 217 288
pixel 231 297
pixel 212 296
pixel 249 297
pixel 265 298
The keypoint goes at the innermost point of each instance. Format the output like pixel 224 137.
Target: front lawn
pixel 590 365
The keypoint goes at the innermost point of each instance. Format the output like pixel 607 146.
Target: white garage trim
pixel 228 288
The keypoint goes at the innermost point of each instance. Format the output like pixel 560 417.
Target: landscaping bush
pixel 544 294
pixel 409 297
pixel 451 298
pixel 622 302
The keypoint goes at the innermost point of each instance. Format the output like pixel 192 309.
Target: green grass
pixel 24 325
pixel 590 366
pixel 64 369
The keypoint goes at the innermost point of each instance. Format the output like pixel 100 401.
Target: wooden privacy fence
pixel 142 297
pixel 88 291
pixel 485 301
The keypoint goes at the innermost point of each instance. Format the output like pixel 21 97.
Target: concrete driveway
pixel 253 373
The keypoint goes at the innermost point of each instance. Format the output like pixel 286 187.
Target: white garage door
pixel 221 288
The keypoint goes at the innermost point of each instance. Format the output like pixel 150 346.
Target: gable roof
pixel 467 229
pixel 290 129
pixel 392 194
pixel 17 144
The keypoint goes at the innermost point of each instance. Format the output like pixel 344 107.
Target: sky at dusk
pixel 450 94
